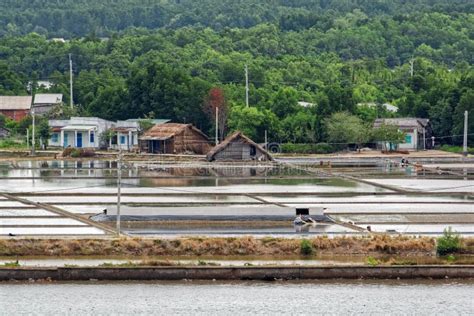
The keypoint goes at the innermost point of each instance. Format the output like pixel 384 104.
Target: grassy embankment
pixel 457 149
pixel 243 246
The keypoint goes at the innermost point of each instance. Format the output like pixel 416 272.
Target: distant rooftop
pixel 154 121
pixel 15 102
pixel 411 122
pixel 48 98
pixel 389 107
pixel 305 104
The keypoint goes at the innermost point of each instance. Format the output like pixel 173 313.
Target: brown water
pixel 239 298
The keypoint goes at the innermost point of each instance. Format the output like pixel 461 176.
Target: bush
pixel 78 152
pixel 306 248
pixel 11 143
pixel 319 148
pixel 371 261
pixel 448 243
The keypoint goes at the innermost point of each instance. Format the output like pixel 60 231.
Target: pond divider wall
pixel 238 273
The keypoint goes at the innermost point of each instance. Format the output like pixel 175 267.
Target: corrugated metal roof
pixel 15 102
pixel 79 128
pixel 154 121
pixel 409 122
pixel 48 98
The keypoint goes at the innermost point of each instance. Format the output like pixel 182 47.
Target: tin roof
pixel 403 122
pixel 79 128
pixel 15 102
pixel 48 98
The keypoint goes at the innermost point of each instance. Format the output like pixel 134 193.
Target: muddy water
pixel 216 298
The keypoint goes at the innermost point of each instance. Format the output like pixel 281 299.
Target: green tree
pixel 284 102
pixel 253 122
pixel 343 128
pixel 390 134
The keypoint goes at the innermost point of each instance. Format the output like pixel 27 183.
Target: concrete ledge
pixel 239 273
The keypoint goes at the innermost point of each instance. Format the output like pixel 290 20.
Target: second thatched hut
pixel 237 147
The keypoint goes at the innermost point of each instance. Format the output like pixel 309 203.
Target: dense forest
pixel 161 58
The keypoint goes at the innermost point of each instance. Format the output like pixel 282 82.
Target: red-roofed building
pixel 15 107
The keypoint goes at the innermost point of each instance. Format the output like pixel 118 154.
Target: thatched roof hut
pixel 174 138
pixel 237 146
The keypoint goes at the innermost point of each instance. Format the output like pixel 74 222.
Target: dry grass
pixel 243 246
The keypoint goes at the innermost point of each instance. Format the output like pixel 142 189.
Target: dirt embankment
pixel 132 247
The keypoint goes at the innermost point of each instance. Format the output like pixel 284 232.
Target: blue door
pixel 79 140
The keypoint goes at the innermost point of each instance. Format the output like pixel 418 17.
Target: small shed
pixel 45 102
pixel 174 138
pixel 237 146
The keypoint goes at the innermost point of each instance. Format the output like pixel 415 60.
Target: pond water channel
pixel 237 298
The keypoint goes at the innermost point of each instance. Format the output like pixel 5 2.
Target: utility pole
pixel 246 85
pixel 119 187
pixel 424 138
pixel 27 139
pixel 412 62
pixel 217 126
pixel 464 144
pixel 70 82
pixel 33 141
pixel 266 140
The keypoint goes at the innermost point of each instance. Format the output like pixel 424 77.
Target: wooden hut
pixel 238 147
pixel 174 138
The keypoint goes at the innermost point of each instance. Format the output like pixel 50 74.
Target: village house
pixel 125 135
pixel 45 102
pixel 15 107
pixel 79 132
pixel 417 131
pixel 174 138
pixel 237 146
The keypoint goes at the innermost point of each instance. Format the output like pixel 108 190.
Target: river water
pixel 447 297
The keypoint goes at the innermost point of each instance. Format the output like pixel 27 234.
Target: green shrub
pixel 12 264
pixel 450 258
pixel 306 248
pixel 448 243
pixel 371 261
pixel 78 152
pixel 319 148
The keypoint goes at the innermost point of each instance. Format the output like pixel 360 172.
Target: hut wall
pixel 239 150
pixel 191 141
pixel 234 151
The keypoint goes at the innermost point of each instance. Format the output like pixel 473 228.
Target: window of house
pixel 54 137
pixel 92 138
pixel 408 139
pixel 253 150
pixel 122 140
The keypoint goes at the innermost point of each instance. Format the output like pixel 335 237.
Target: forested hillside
pixel 160 58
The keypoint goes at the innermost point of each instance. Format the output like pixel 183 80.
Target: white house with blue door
pixel 79 132
pixel 125 135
